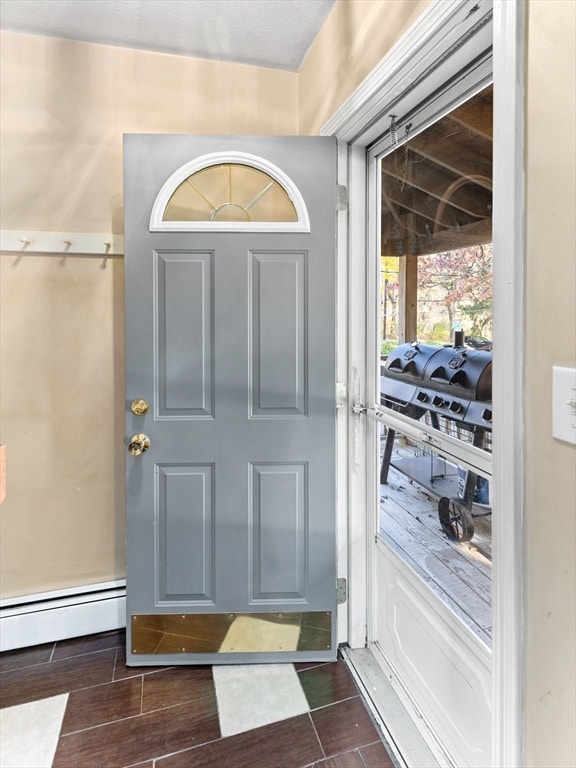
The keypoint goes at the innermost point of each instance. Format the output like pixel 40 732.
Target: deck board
pixel 460 573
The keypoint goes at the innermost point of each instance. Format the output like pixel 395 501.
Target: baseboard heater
pixel 48 617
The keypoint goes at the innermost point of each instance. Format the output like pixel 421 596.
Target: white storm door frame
pixel 363 117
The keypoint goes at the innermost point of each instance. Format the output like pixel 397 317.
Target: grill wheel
pixel 455 519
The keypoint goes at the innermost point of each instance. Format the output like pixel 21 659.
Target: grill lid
pixel 459 371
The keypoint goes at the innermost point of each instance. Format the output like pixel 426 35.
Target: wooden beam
pixel 472 198
pixel 407 298
pixel 477 114
pixel 453 239
pixel 452 148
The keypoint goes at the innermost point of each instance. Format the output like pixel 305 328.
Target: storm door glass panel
pixel 435 266
pixel 230 192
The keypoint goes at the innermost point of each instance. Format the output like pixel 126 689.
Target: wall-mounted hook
pixel 67 246
pixel 104 263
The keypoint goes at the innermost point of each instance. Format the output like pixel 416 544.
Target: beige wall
pixel 550 489
pixel 62 522
pixel 65 106
pixel 354 38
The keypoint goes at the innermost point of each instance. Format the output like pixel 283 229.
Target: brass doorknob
pixel 139 407
pixel 139 444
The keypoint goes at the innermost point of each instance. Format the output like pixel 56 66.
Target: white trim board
pixel 45 618
pixel 508 400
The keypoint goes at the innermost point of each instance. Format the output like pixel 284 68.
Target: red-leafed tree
pixel 459 283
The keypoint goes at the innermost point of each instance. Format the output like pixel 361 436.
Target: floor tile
pixel 376 756
pixel 29 733
pixel 142 738
pixel 301 665
pixel 344 726
pixel 289 744
pixel 250 696
pixel 147 764
pixel 346 760
pixel 81 645
pixel 43 680
pixel 177 686
pixel 25 657
pixel 328 684
pixel 121 671
pixel 102 704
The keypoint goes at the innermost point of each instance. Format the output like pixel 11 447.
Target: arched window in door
pixel 229 192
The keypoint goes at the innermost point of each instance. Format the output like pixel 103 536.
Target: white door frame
pixel 358 123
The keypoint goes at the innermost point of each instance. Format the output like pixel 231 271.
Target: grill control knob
pixel 487 414
pixel 422 397
pixel 437 401
pixel 455 406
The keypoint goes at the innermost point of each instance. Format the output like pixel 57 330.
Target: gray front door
pixel 230 344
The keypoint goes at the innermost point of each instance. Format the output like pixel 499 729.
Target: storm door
pixel 432 620
pixel 230 399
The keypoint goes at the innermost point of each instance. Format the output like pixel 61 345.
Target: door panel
pixel 278 523
pixel 185 525
pixel 231 340
pixel 278 322
pixel 184 369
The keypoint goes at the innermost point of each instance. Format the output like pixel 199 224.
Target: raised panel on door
pixel 183 288
pixel 184 526
pixel 278 321
pixel 279 522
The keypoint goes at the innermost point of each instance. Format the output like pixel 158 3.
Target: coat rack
pixel 63 244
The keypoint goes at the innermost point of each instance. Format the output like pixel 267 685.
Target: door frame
pixel 359 122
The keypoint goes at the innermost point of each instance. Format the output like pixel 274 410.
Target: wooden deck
pixel 460 573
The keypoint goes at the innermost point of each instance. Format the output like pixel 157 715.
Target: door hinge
pixel 359 407
pixel 341 197
pixel 341 394
pixel 341 591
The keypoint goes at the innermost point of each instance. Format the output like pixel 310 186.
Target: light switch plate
pixel 564 404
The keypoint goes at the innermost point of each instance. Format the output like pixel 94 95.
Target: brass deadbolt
pixel 139 407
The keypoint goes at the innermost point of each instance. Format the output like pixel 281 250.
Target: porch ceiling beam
pixel 450 147
pixel 434 181
pixel 427 205
pixel 451 239
pixel 476 115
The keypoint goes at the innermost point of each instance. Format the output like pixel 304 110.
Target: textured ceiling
pixel 266 33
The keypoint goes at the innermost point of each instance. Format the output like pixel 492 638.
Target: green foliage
pixel 387 346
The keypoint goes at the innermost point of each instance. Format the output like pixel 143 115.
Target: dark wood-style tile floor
pixel 157 717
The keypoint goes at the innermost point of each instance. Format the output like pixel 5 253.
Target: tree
pixel 458 284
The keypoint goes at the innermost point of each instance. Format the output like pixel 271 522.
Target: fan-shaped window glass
pixel 230 192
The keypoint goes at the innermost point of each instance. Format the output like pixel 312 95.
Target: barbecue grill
pixel 452 387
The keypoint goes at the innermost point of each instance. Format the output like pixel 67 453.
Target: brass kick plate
pixel 231 632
